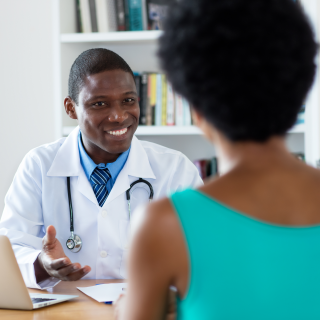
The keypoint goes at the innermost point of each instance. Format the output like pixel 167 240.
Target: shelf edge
pixel 120 36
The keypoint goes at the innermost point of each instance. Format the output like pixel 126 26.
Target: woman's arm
pixel 157 260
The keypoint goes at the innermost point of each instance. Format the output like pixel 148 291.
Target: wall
pixel 26 82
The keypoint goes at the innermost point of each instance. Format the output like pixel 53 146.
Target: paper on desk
pixel 104 292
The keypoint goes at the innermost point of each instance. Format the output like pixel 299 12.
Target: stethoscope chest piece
pixel 74 243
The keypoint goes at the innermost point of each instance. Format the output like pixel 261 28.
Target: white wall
pixel 26 82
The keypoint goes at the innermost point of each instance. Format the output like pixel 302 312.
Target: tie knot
pixel 100 176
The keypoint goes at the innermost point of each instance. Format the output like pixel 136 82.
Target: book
pixel 158 108
pixel 156 13
pixel 149 106
pixel 144 99
pixel 112 15
pixel 153 98
pixel 78 16
pixel 93 16
pixel 144 15
pixel 106 15
pixel 170 105
pixel 135 15
pixel 126 14
pixel 85 16
pixel 164 100
pixel 137 80
pixel 121 23
pixel 178 110
pixel 186 113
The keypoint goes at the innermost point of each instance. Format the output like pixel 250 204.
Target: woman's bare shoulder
pixel 158 235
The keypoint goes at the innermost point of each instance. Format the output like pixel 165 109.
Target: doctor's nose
pixel 117 114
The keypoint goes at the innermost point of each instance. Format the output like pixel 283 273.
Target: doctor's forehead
pixel 108 82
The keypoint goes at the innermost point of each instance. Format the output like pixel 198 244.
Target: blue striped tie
pixel 100 177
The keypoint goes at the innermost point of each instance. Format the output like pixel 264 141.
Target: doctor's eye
pixel 99 104
pixel 129 100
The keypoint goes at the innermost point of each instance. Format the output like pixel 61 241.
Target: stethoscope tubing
pixel 70 205
pixel 140 180
pixel 75 239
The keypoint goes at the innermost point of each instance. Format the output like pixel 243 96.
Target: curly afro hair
pixel 245 65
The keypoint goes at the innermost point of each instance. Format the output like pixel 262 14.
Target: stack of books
pixel 159 104
pixel 120 15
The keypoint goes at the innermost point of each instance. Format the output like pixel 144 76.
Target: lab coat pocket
pixel 124 239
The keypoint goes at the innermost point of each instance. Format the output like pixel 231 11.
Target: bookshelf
pixel 138 49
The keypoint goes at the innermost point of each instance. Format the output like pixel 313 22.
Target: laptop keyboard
pixel 37 300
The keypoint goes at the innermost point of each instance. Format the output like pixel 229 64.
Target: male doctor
pixel 102 157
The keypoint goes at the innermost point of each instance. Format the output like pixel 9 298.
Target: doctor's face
pixel 108 112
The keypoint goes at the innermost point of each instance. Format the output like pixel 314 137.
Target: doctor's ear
pixel 70 107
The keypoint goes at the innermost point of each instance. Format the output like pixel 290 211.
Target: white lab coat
pixel 38 198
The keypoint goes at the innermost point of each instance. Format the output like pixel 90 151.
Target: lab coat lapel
pixel 85 187
pixel 67 160
pixel 137 165
pixel 67 164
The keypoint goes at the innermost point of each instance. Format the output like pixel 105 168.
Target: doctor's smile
pixel 118 132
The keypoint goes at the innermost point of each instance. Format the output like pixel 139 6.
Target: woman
pixel 245 245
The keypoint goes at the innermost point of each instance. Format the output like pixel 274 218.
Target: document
pixel 104 292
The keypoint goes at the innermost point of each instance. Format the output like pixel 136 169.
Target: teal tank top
pixel 245 269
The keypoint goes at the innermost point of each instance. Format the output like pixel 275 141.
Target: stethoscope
pixel 74 242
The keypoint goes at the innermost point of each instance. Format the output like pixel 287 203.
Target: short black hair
pixel 245 65
pixel 91 62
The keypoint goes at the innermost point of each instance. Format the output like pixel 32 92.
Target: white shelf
pixel 175 130
pixel 118 37
pixel 167 130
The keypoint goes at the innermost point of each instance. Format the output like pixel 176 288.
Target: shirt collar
pixel 89 165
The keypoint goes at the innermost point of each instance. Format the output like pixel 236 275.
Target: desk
pixel 81 308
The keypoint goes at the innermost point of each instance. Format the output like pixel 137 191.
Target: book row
pixel 120 15
pixel 159 104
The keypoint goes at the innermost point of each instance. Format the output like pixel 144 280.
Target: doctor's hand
pixel 52 261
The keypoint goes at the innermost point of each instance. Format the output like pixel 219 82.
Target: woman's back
pixel 242 268
pixel 269 184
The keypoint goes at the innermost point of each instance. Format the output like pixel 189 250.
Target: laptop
pixel 13 291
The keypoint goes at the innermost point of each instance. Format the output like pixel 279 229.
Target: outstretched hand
pixel 52 261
